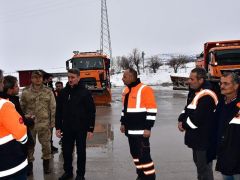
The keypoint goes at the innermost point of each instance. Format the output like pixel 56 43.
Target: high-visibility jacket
pixel 198 118
pixel 13 133
pixel 193 104
pixel 139 108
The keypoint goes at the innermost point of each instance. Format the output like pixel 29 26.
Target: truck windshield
pixel 228 57
pixel 88 63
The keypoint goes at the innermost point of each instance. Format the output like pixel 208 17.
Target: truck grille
pixel 89 82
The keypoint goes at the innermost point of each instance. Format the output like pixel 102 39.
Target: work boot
pixel 66 176
pixel 46 167
pixel 80 177
pixel 138 178
pixel 29 169
pixel 54 149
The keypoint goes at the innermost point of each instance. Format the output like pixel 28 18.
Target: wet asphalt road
pixel 108 156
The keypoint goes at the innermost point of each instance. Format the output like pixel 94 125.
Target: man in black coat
pixel 228 120
pixel 197 121
pixel 75 120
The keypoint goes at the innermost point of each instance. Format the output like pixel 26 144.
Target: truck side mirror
pixel 107 63
pixel 67 65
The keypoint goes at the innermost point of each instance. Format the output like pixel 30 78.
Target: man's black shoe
pixel 66 176
pixel 80 177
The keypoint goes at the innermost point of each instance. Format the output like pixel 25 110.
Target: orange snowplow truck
pixel 217 57
pixel 221 56
pixel 94 73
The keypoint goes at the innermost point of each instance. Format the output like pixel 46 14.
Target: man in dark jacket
pixel 59 87
pixel 75 118
pixel 197 121
pixel 228 118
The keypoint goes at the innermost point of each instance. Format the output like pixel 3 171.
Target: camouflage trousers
pixel 44 136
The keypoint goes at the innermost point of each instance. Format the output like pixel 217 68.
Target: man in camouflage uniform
pixel 38 101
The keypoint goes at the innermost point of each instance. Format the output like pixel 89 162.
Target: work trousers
pixel 44 136
pixel 204 169
pixel 140 151
pixel 68 142
pixel 21 175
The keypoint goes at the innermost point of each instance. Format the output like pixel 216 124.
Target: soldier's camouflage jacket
pixel 41 104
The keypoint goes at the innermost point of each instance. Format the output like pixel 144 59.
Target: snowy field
pixel 161 78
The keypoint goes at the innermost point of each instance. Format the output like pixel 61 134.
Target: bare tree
pixel 123 62
pixel 135 59
pixel 154 63
pixel 178 62
pixel 115 68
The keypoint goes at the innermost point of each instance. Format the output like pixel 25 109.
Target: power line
pixel 35 9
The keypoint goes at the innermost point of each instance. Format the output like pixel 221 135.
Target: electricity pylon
pixel 105 42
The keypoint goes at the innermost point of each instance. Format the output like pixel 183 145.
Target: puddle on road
pixel 102 142
pixel 103 134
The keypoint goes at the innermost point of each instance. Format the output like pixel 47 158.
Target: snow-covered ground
pixel 161 78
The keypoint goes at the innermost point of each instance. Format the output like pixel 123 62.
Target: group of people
pixel 71 110
pixel 211 123
pixel 33 115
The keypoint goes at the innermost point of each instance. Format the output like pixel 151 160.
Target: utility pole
pixel 143 53
pixel 105 41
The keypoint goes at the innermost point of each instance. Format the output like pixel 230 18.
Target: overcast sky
pixel 41 34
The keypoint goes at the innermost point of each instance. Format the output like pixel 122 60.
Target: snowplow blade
pixel 102 97
pixel 179 82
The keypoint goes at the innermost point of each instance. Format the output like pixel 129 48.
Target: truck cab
pixel 94 74
pixel 220 57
